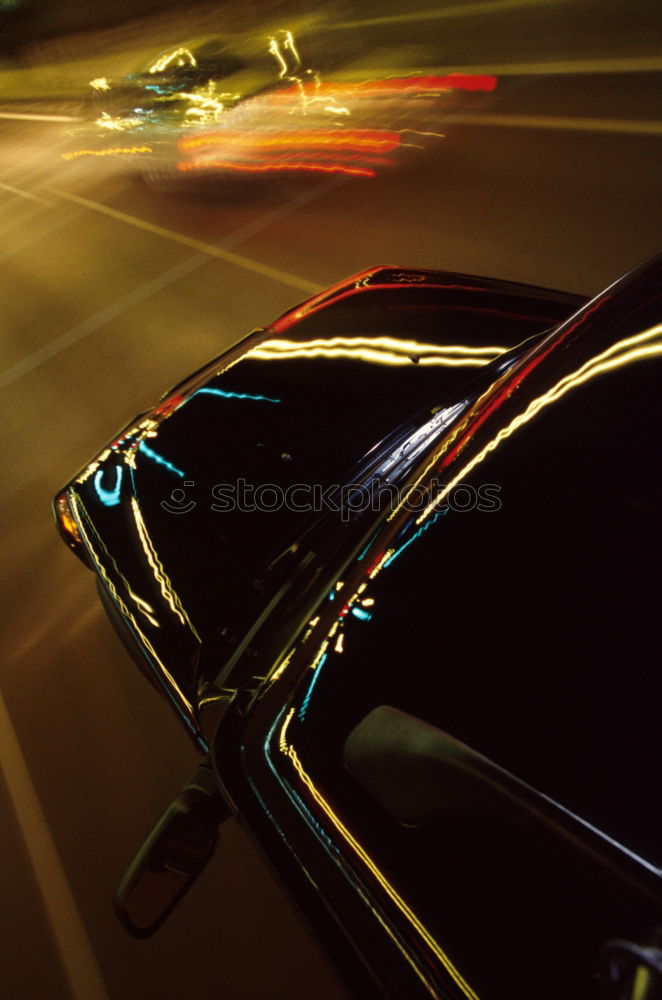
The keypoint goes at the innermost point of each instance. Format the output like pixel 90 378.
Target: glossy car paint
pixel 482 901
pixel 180 570
pixel 273 623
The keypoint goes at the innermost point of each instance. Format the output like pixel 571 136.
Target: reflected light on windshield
pixel 624 352
pixel 377 350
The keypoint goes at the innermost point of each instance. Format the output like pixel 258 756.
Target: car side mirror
pixel 633 970
pixel 173 855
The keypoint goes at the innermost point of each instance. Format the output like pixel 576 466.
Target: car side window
pixel 530 634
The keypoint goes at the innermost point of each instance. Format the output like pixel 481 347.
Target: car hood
pixel 190 512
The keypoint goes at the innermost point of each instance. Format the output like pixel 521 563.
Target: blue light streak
pixel 424 527
pixel 146 450
pixel 315 825
pixel 235 395
pixel 366 548
pixel 109 498
pixel 364 616
pixel 306 700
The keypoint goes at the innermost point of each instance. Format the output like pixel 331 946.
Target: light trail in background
pixel 26 194
pixel 478 8
pixel 617 126
pixel 25 117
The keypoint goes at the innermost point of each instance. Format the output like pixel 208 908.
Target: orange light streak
pixel 397 86
pixel 357 140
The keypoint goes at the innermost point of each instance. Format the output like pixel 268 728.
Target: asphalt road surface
pixel 109 293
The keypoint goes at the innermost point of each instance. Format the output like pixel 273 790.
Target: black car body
pixel 394 560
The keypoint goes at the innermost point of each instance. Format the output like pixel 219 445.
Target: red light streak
pixel 352 286
pixel 373 565
pixel 167 406
pixel 417 85
pixel 353 152
pixel 335 168
pixel 511 384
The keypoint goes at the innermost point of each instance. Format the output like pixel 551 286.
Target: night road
pixel 112 290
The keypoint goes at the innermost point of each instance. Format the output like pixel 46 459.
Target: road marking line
pixel 73 944
pixel 26 194
pixel 38 118
pixel 479 7
pixel 615 126
pixel 569 67
pixel 98 320
pixel 213 250
pixel 185 267
pixel 579 67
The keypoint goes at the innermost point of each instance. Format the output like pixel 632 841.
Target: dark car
pixel 264 106
pixel 395 562
pixel 180 82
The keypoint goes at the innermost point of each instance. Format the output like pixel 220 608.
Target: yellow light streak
pixel 181 56
pixel 386 343
pixel 282 741
pixel 622 353
pixel 373 357
pixel 143 606
pixel 379 350
pixel 289 751
pixel 116 124
pixel 280 669
pixel 159 572
pixel 89 471
pixel 205 104
pixel 380 565
pixel 123 606
pixel 319 655
pixel 351 600
pixel 274 48
pixel 116 151
pixel 293 48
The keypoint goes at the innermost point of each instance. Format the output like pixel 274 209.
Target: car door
pixel 473 742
